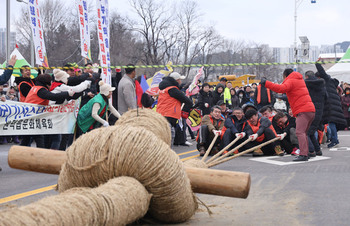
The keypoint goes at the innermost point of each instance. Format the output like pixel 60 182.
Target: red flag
pixel 16 46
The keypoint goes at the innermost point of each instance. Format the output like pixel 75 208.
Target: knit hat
pixel 105 88
pixel 177 76
pixel 60 76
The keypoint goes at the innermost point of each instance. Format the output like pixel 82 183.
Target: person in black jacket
pixel 235 125
pixel 317 91
pixel 242 98
pixel 234 98
pixel 205 99
pixel 218 93
pixel 263 96
pixel 73 79
pixel 332 112
pixel 284 123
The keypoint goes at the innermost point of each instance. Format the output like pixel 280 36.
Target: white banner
pixel 84 28
pixel 37 33
pixel 17 118
pixel 103 39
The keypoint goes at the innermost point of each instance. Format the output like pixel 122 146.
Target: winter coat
pixel 297 93
pixel 237 126
pixel 345 103
pixel 234 101
pixel 204 98
pixel 318 96
pixel 126 95
pixel 61 87
pixel 332 110
pixel 218 96
pixel 264 100
pixel 243 100
pixel 213 124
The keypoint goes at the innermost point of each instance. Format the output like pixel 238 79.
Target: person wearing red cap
pixel 302 106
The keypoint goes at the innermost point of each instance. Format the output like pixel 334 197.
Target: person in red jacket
pixel 302 106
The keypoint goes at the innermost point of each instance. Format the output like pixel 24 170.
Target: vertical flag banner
pixel 103 39
pixel 193 89
pixel 84 28
pixel 37 33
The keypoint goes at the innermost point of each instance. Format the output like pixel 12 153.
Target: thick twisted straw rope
pixel 136 152
pixel 85 206
pixel 148 119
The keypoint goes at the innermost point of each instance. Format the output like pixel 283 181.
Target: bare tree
pixel 153 24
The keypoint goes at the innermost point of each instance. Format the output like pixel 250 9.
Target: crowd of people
pixel 304 107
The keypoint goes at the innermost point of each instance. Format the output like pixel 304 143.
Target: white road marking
pixel 274 160
pixel 340 149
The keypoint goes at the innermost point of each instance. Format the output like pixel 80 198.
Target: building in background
pixel 3 43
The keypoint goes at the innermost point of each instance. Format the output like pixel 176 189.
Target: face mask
pixel 240 95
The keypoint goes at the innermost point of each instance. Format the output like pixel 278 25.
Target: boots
pixel 278 150
pixel 201 150
pixel 16 140
pixel 258 152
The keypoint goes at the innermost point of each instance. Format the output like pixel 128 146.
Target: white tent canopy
pixel 341 70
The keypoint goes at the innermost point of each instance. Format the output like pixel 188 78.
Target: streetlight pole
pixel 31 42
pixel 8 30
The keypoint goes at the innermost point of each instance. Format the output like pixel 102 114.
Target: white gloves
pixel 240 135
pixel 206 105
pixel 105 124
pixel 253 136
pixel 71 92
pixel 217 132
pixel 282 136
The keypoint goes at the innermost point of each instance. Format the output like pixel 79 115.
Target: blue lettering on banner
pixel 106 43
pixel 31 1
pixel 8 111
pixel 33 21
pixel 32 10
pixel 103 10
pixel 84 5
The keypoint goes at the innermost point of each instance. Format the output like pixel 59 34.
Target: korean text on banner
pixel 17 118
pixel 103 39
pixel 37 33
pixel 84 28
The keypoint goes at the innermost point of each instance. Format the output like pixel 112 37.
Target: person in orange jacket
pixel 302 106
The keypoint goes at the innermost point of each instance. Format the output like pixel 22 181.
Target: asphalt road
pixel 282 192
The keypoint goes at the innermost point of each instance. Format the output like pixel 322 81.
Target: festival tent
pixel 341 70
pixel 19 63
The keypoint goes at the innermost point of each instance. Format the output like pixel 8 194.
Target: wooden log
pixel 205 181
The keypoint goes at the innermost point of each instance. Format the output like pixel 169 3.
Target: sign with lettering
pixel 17 118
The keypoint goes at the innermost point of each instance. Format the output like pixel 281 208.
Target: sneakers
pixel 295 151
pixel 333 145
pixel 258 152
pixel 301 158
pixel 201 150
pixel 319 153
pixel 279 151
pixel 312 154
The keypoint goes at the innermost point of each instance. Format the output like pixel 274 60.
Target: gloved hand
pixel 185 114
pixel 253 136
pixel 263 81
pixel 217 132
pixel 240 135
pixel 71 92
pixel 282 136
pixel 105 124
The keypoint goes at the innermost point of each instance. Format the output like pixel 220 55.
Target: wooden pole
pixel 221 157
pixel 210 147
pixel 222 150
pixel 207 181
pixel 243 152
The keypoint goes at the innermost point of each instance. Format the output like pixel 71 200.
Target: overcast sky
pixel 262 21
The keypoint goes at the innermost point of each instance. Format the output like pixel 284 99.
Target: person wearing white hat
pixel 60 85
pixel 93 113
pixel 170 100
